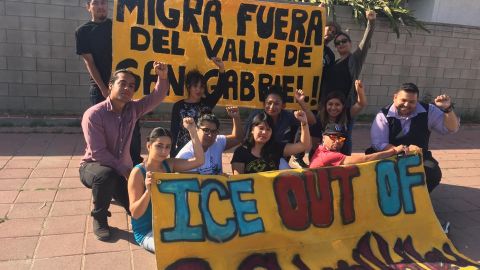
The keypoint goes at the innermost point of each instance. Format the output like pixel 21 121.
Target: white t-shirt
pixel 213 156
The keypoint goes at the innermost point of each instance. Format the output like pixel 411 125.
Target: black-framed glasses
pixel 341 41
pixel 209 131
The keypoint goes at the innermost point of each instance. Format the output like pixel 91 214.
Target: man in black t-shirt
pixel 94 44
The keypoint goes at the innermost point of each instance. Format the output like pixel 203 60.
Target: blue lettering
pixel 245 207
pixel 388 188
pixel 182 230
pixel 215 231
pixel 409 180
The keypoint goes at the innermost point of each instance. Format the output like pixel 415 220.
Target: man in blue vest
pixel 409 122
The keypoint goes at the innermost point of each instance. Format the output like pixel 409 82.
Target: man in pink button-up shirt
pixel 107 128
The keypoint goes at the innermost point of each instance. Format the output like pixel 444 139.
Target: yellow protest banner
pixel 261 43
pixel 375 215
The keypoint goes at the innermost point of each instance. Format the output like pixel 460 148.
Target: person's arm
pixel 94 134
pixel 139 192
pixel 300 98
pixel 238 168
pixel 444 120
pixel 238 160
pixel 149 102
pixel 375 156
pixel 212 99
pixel 237 131
pixel 379 133
pixel 361 99
pixel 93 71
pixel 305 141
pixel 180 165
pixel 175 127
pixel 361 52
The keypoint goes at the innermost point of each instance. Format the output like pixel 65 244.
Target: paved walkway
pixel 44 209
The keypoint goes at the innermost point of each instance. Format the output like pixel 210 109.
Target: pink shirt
pixel 323 158
pixel 108 134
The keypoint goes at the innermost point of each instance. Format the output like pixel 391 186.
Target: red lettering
pixel 292 201
pixel 345 175
pixel 320 194
pixel 267 261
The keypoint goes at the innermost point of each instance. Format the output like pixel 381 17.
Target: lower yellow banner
pixel 375 215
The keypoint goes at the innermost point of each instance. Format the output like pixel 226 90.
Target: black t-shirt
pixel 96 39
pixel 328 63
pixel 255 164
pixel 339 79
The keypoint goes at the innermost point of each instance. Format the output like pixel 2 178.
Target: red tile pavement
pixel 41 183
pixel 60 245
pixel 45 208
pixel 11 184
pixel 62 225
pixel 18 248
pixel 59 263
pixel 16 265
pixel 105 261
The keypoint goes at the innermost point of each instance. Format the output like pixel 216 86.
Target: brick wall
pixel 446 60
pixel 40 73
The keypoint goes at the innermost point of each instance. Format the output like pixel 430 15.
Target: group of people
pixel 113 168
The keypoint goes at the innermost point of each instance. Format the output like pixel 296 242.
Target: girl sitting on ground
pixel 140 181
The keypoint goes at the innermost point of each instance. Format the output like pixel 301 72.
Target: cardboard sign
pixel 261 43
pixel 375 215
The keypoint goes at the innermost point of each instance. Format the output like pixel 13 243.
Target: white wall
pixel 462 12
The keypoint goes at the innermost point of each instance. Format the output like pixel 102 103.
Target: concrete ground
pixel 44 209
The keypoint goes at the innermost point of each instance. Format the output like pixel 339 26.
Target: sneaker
pixel 101 229
pixel 299 163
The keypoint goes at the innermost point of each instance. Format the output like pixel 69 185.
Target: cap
pixel 335 129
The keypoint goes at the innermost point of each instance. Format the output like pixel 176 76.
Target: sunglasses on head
pixel 209 131
pixel 337 138
pixel 341 41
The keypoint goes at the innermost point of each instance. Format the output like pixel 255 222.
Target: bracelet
pixel 303 124
pixel 447 110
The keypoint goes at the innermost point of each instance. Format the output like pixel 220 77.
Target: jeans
pixel 433 173
pixel 106 184
pixel 136 145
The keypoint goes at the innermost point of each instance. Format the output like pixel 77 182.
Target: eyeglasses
pixel 209 131
pixel 341 41
pixel 337 138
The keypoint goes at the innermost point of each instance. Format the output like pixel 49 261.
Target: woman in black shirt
pixel 260 153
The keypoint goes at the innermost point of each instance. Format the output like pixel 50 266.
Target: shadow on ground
pixel 461 207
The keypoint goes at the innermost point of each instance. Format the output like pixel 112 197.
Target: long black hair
pixel 157 133
pixel 249 142
pixel 342 118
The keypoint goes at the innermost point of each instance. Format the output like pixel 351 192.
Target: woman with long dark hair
pixel 159 143
pixel 334 109
pixel 260 152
